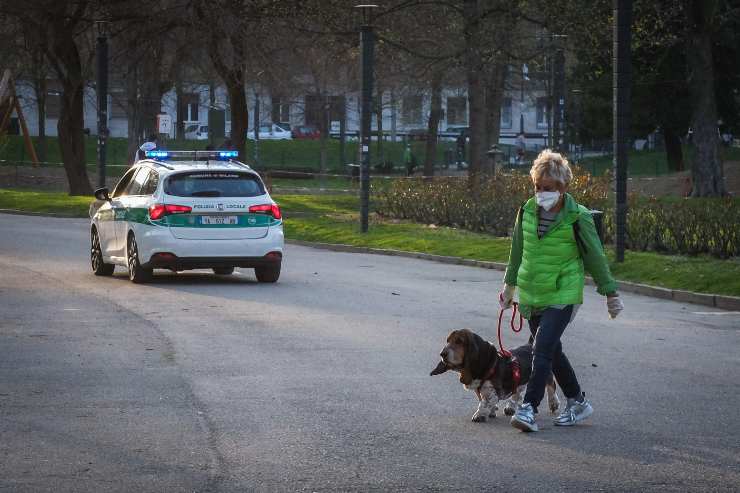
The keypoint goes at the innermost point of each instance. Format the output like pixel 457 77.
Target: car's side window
pixel 137 183
pixel 151 184
pixel 123 183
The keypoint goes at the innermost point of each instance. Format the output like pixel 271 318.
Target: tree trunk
pixel 706 166
pixel 239 113
pixel 474 66
pixel 70 128
pixel 151 98
pixel 342 135
pixel 132 112
pixel 379 123
pixel 40 88
pixel 495 80
pixel 674 152
pixel 179 111
pixel 432 128
pixel 393 116
pixel 324 127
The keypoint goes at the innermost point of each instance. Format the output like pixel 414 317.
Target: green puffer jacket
pixel 550 270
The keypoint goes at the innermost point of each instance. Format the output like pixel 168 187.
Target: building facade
pixel 404 114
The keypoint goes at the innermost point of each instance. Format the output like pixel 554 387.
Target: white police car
pixel 203 211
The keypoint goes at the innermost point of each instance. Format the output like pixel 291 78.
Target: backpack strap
pixel 579 241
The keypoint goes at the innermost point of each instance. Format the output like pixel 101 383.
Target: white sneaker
pixel 574 412
pixel 524 418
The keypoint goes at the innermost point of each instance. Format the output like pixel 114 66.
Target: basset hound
pixel 490 375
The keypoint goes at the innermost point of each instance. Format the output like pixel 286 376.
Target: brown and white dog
pixel 492 377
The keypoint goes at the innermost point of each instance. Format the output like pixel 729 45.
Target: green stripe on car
pixel 141 215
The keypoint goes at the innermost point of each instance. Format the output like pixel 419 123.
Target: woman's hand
pixel 506 297
pixel 614 305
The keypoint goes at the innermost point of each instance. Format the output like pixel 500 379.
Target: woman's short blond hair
pixel 552 164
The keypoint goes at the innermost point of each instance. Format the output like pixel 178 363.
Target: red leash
pixel 515 370
pixel 515 305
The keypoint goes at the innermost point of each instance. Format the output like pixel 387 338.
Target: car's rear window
pixel 213 184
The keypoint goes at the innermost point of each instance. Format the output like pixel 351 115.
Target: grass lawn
pixel 274 154
pixel 334 219
pixel 649 163
pixel 46 202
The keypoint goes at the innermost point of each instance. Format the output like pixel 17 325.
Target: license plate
pixel 219 220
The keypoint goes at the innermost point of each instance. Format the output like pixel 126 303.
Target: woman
pixel 554 239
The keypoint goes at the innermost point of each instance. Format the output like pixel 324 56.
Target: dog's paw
pixel 493 414
pixel 478 418
pixel 510 407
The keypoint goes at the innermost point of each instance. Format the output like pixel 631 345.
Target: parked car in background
pixel 418 134
pixel 271 132
pixel 454 131
pixel 306 132
pixel 196 132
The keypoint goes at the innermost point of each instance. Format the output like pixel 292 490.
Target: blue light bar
pixel 221 155
pixel 157 154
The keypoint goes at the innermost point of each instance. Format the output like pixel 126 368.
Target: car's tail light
pixel 158 211
pixel 271 209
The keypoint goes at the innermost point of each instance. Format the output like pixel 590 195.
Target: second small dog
pixel 492 377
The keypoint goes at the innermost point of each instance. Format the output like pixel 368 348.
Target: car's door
pixel 107 215
pixel 126 209
pixel 140 198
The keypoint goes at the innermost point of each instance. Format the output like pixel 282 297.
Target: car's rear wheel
pixel 269 273
pixel 223 271
pixel 136 272
pixel 99 267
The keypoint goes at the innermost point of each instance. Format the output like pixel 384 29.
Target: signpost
pixel 366 41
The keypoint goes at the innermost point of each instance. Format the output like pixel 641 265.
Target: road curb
pixel 723 302
pixel 714 300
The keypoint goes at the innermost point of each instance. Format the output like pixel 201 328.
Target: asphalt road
pixel 321 382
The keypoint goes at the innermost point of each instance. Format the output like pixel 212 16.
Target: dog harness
pixel 516 373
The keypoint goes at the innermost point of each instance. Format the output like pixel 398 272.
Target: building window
pixel 117 108
pixel 542 116
pixel 456 110
pixel 53 99
pixel 280 110
pixel 411 110
pixel 190 106
pixel 506 113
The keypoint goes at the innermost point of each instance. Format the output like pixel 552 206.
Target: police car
pixel 182 210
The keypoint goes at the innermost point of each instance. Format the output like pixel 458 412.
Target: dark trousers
pixel 547 328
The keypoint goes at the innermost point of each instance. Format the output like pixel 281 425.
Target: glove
pixel 614 305
pixel 506 297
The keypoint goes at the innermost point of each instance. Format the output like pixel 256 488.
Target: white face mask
pixel 547 200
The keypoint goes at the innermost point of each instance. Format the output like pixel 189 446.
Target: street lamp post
pixel 622 79
pixel 366 42
pixel 256 127
pixel 102 93
pixel 577 108
pixel 558 82
pixel 521 99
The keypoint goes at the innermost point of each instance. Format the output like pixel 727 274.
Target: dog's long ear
pixel 441 368
pixel 472 357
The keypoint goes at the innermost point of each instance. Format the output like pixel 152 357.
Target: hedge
pixel 689 226
pixel 448 201
pixel 677 226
